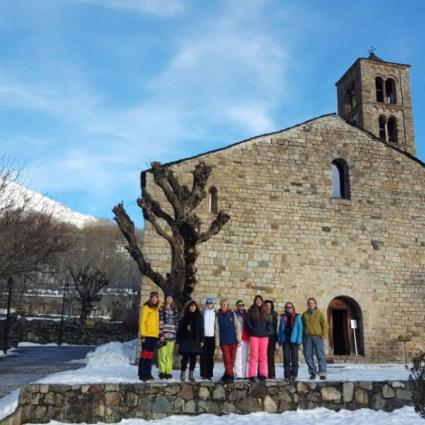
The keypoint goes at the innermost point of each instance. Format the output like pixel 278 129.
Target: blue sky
pixel 92 91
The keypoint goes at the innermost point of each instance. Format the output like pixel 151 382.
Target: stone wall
pixel 47 331
pixel 289 239
pixel 114 402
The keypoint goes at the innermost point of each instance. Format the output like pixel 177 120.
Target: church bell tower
pixel 375 95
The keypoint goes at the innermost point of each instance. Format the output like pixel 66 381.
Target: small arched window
pixel 379 86
pixel 213 200
pixel 392 130
pixel 390 91
pixel 350 98
pixel 348 102
pixel 340 179
pixel 382 125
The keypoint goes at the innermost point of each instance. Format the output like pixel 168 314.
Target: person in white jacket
pixel 207 355
pixel 241 361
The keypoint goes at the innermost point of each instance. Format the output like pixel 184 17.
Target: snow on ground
pixel 9 352
pixel 8 404
pixel 319 416
pixel 50 344
pixel 111 363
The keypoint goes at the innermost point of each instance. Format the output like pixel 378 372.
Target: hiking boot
pixel 322 377
pixel 262 378
pixel 183 375
pixel 312 376
pixel 191 375
pixel 252 379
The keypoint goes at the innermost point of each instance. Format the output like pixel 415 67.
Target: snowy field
pixel 111 363
pixel 321 416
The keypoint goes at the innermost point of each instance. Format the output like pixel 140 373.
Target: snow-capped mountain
pixel 18 194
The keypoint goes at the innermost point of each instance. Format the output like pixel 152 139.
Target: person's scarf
pixel 290 317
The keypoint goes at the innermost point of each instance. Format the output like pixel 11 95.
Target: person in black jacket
pixel 190 337
pixel 257 323
pixel 271 347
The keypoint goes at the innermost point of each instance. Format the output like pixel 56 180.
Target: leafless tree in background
pixel 97 260
pixel 30 238
pixel 89 283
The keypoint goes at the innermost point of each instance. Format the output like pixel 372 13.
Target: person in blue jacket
pixel 290 336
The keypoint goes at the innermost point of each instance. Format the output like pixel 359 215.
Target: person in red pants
pixel 228 334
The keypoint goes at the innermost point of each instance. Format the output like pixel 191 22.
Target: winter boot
pixel 183 375
pixel 191 375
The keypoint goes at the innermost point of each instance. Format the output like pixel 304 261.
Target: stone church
pixel 333 208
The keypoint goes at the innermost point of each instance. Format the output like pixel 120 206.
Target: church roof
pixel 372 136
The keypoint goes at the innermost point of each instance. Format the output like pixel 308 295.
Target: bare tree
pixel 89 283
pixel 183 232
pixel 30 238
pixel 97 260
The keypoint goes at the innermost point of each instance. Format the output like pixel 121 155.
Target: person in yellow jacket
pixel 315 331
pixel 149 335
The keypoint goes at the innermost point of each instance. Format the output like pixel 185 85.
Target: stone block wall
pixel 114 402
pixel 47 331
pixel 289 239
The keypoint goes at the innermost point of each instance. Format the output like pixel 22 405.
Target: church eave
pixel 371 135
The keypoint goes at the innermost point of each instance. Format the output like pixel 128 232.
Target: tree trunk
pixel 7 324
pixel 84 310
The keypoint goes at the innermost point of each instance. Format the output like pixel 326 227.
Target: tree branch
pixel 128 230
pixel 150 216
pixel 147 203
pixel 201 174
pixel 215 227
pixel 160 178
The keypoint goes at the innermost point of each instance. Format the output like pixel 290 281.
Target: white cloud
pixel 161 8
pixel 226 75
pixel 255 117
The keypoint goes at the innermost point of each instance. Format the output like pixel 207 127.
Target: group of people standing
pixel 247 338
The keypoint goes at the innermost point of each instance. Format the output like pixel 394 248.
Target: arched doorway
pixel 345 327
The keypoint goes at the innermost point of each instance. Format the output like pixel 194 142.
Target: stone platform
pixel 114 402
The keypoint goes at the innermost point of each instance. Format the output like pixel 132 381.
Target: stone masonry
pixel 114 402
pixel 289 239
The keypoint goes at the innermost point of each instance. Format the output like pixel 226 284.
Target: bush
pixel 417 377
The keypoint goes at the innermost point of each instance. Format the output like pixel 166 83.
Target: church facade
pixel 333 208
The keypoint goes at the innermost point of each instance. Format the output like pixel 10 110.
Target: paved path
pixel 33 363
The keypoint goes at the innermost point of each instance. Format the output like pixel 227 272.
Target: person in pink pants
pixel 257 324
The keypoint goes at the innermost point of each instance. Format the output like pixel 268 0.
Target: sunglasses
pixel 241 305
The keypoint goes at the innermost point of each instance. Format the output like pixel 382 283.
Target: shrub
pixel 417 377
